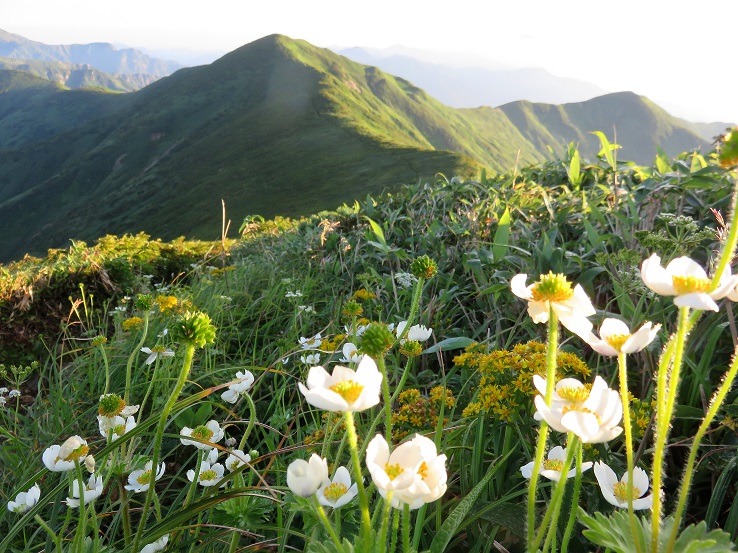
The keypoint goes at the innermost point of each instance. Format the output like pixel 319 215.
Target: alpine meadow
pixel 290 302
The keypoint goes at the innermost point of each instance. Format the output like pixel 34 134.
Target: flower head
pixel 236 459
pixel 592 414
pixel 345 389
pixel 24 501
pixel 616 491
pixel 416 333
pixel 115 427
pixel 140 480
pixel 305 477
pixel 62 458
pixel 350 353
pixel 413 472
pixel 157 352
pixel 209 475
pixel 339 491
pixel 554 292
pixel 553 465
pixel 310 358
pixel 93 490
pixel 157 545
pixel 237 389
pixel 311 343
pixel 687 281
pixel 211 432
pixel 615 337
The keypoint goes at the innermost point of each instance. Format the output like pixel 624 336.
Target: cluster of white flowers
pixel 295 294
pixel 405 280
pixel 308 478
pixel 12 394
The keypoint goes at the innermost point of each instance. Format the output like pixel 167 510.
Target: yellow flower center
pixel 119 429
pixel 144 477
pixel 690 284
pixel 208 475
pixel 572 394
pixel 620 490
pixel 553 288
pixel 158 349
pixel 348 390
pixel 553 464
pixel 617 340
pixel 423 470
pixel 393 471
pixel 234 464
pixel 78 453
pixel 335 491
pixel 203 433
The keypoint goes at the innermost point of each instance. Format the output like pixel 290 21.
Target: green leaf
pixel 379 233
pixel 502 236
pixel 450 343
pixel 574 172
pixel 607 148
pixel 454 520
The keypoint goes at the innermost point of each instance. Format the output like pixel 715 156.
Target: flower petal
pixel 656 277
pixel 696 300
pixel 518 287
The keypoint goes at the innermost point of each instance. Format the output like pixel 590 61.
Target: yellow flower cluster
pixel 505 386
pixel 217 272
pixel 363 294
pixel 640 415
pixel 134 323
pixel 166 303
pixel 420 414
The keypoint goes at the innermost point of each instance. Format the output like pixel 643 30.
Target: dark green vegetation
pixel 277 127
pixel 595 226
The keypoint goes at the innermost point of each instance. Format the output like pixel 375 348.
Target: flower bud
pixel 424 267
pixel 376 340
pixel 195 328
pixel 90 464
pixel 144 302
pixel 728 156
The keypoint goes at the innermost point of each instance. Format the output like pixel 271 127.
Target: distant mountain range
pixel 275 127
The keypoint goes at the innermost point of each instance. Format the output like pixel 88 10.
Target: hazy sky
pixel 669 50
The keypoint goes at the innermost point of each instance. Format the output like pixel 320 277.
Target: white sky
pixel 669 50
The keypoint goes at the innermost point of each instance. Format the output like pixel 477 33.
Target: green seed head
pixel 424 267
pixel 376 340
pixel 144 302
pixel 111 405
pixel 195 328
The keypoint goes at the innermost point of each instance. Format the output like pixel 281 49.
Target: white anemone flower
pixel 350 353
pixel 237 389
pixel 554 292
pixel 236 459
pixel 339 491
pixel 593 415
pixel 310 359
pixel 615 337
pixel 157 352
pixel 209 475
pixel 211 432
pixel 140 480
pixel 93 490
pixel 62 458
pixel 157 545
pixel 24 501
pixel 616 491
pixel 344 390
pixel 305 477
pixel 311 343
pixel 416 333
pixel 115 427
pixel 687 281
pixel 413 472
pixel 553 465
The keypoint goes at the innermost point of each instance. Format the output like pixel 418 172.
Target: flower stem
pixel 56 539
pixel 184 373
pixel 717 401
pixel 625 399
pixel 387 400
pixel 382 542
pixel 132 357
pixel 366 523
pixel 107 368
pixel 668 382
pixel 395 528
pixel 252 420
pixel 413 308
pixel 326 522
pixel 552 348
pixel 406 528
pixel 574 502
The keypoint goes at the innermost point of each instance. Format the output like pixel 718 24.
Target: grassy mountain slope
pixel 74 75
pixel 634 121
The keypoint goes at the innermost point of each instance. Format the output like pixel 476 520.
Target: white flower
pixel 90 464
pixel 616 491
pixel 295 294
pixel 416 333
pixel 3 391
pixel 236 459
pixel 209 475
pixel 413 472
pixel 62 458
pixel 339 491
pixel 686 280
pixel 212 455
pixel 615 337
pixel 211 432
pixel 359 330
pixel 115 427
pixel 14 393
pixel 305 477
pixel 311 343
pixel 157 352
pixel 350 353
pixel 25 500
pixel 571 306
pixel 593 416
pixel 140 480
pixel 344 390
pixel 405 280
pixel 3 401
pixel 553 465
pixel 93 490
pixel 157 545
pixel 310 359
pixel 237 389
